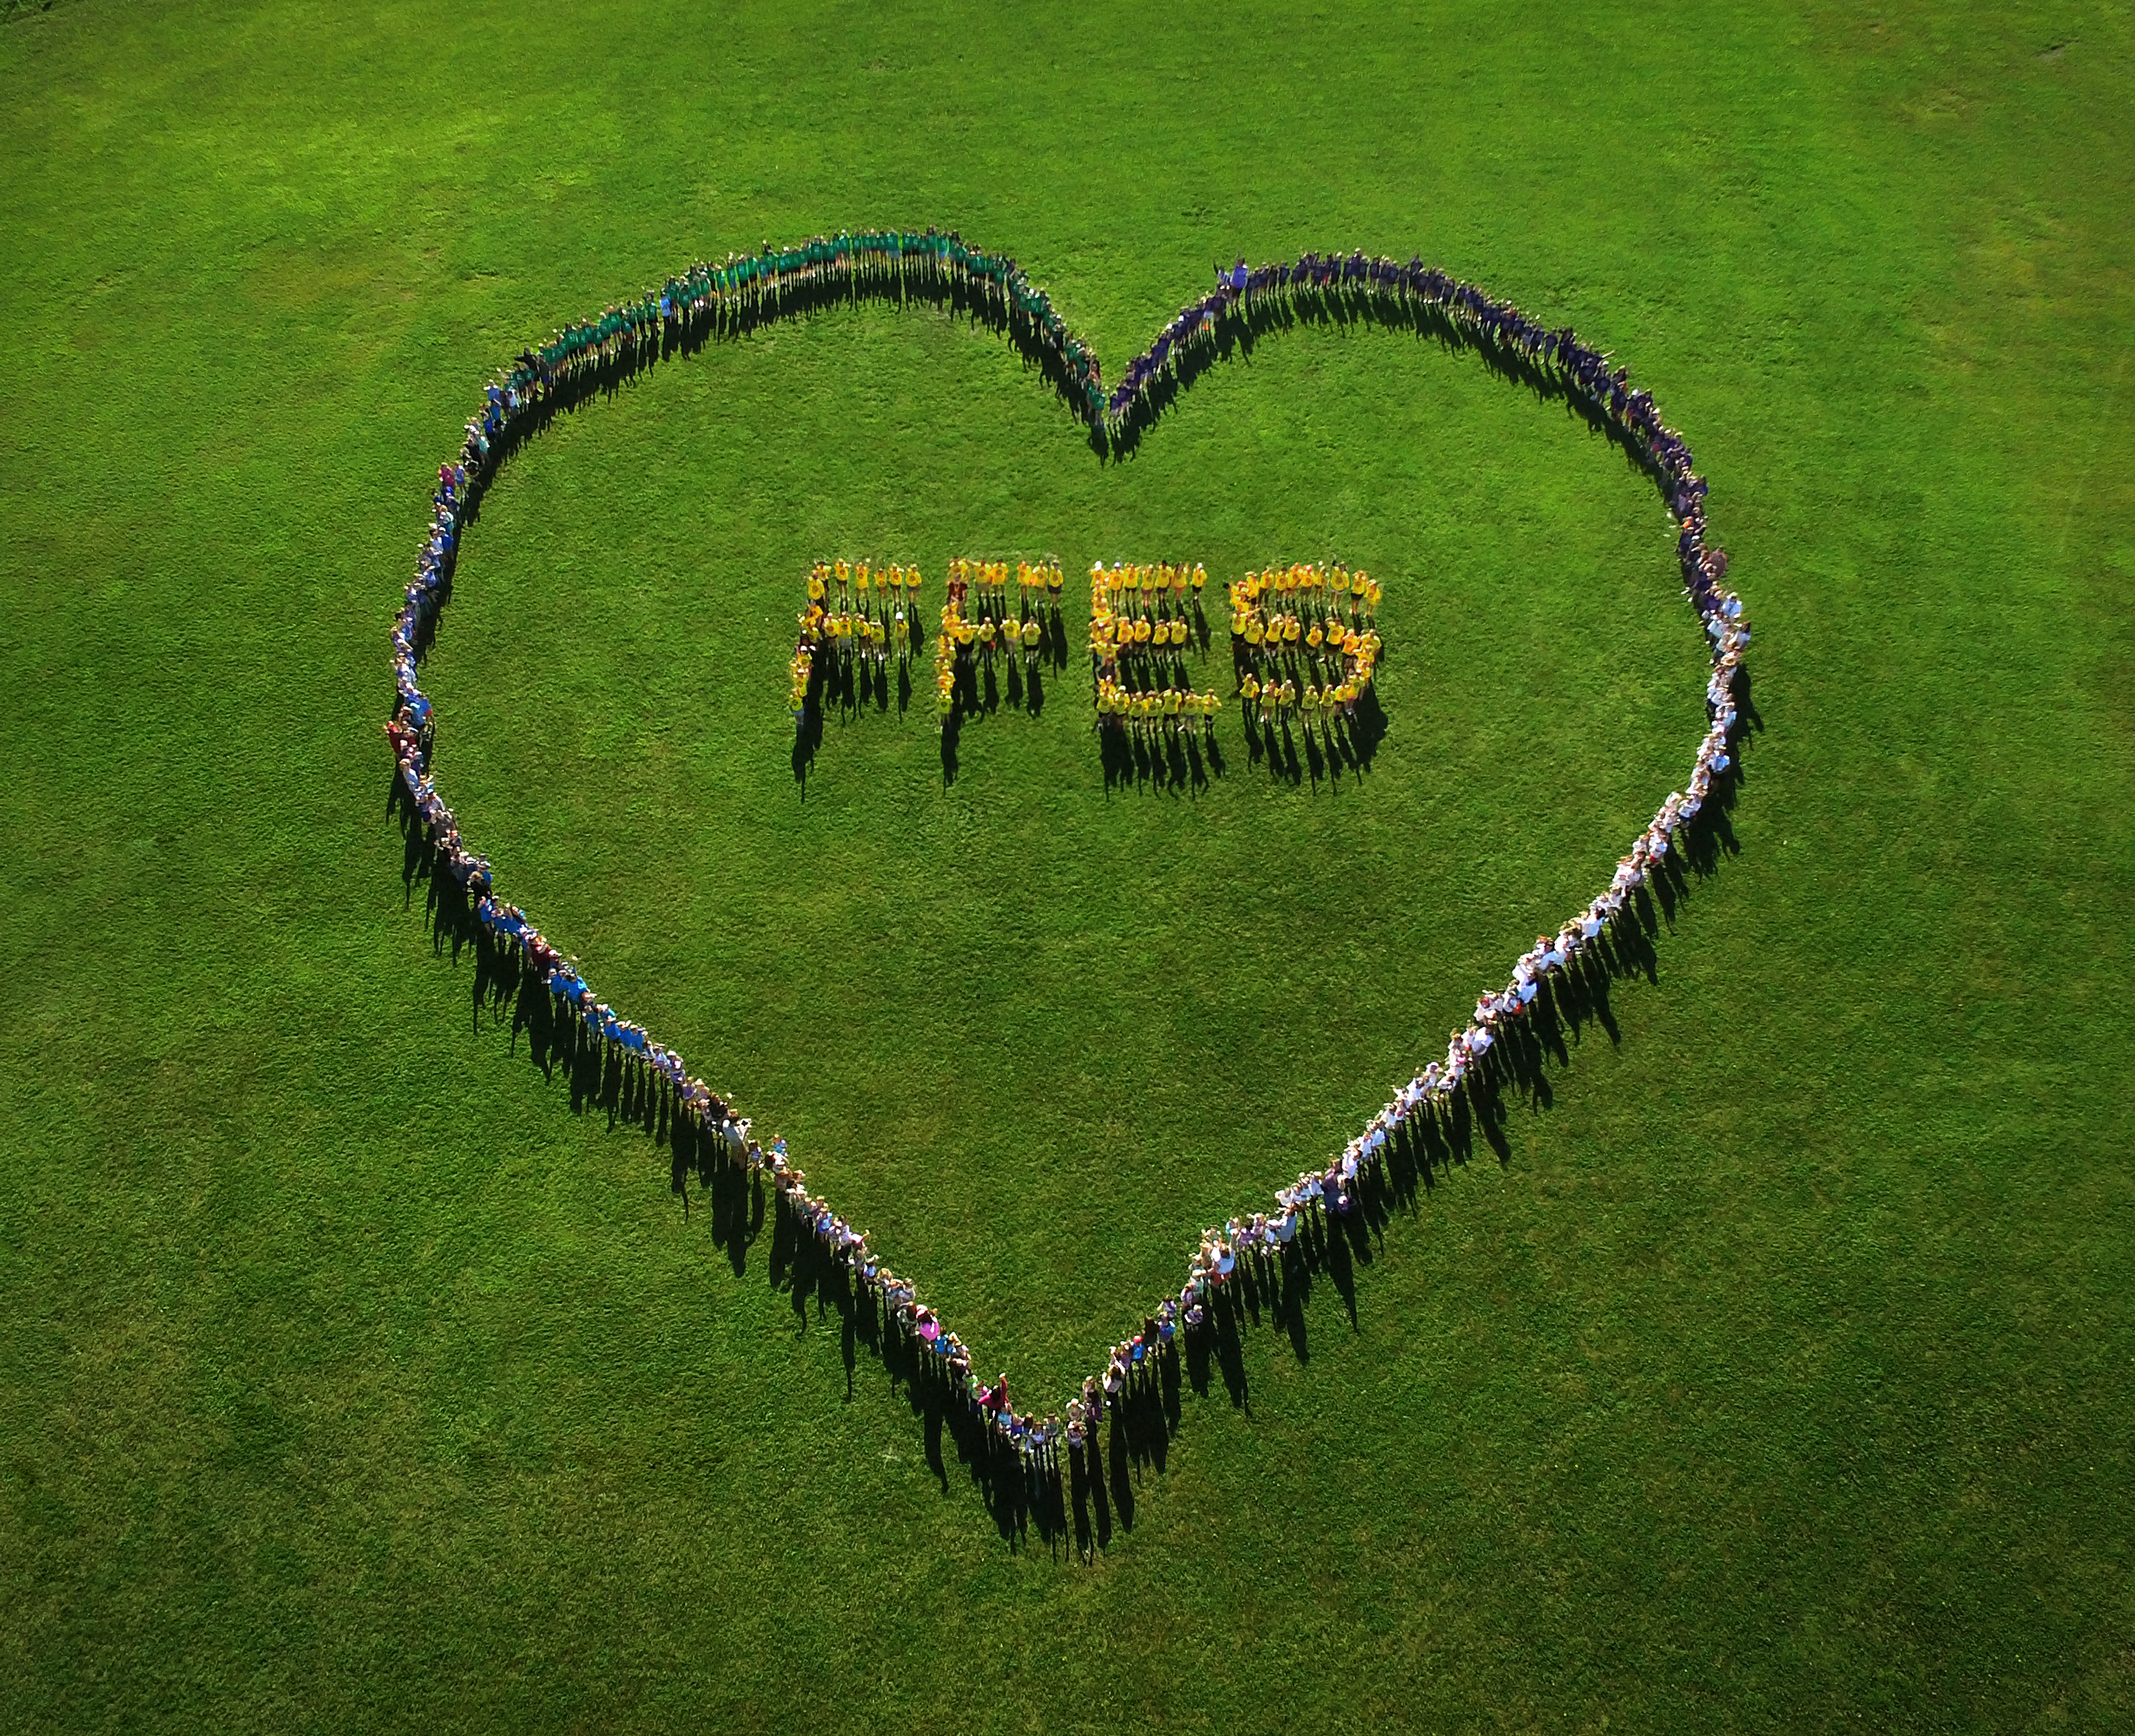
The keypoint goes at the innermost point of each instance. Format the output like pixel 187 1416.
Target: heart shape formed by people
pixel 1307 1221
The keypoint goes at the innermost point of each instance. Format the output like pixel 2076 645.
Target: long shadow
pixel 563 391
pixel 1043 1496
pixel 808 733
pixel 601 1078
pixel 1239 326
pixel 1063 1498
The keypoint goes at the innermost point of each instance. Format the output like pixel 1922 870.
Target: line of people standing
pixel 889 263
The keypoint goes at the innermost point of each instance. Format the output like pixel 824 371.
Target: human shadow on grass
pixel 1179 762
pixel 1240 327
pixel 1072 1499
pixel 808 736
pixel 1075 1498
pixel 848 688
pixel 736 317
pixel 1171 760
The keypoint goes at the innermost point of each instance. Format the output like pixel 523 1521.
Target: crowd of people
pixel 1143 619
pixel 1304 639
pixel 865 616
pixel 858 616
pixel 749 289
pixel 870 614
pixel 982 627
pixel 730 296
pixel 990 624
pixel 1304 643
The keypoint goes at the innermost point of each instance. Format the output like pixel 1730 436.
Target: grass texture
pixel 1779 1376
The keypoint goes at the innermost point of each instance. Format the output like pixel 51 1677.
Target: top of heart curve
pixel 931 267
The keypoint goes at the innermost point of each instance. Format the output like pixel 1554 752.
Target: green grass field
pixel 1779 1377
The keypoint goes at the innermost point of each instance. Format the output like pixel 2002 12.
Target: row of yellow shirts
pixel 815 622
pixel 1139 630
pixel 1118 701
pixel 1289 630
pixel 1339 581
pixel 1157 578
pixel 882 578
pixel 983 632
pixel 945 659
pixel 1282 693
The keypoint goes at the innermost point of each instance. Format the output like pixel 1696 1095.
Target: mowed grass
pixel 1778 1378
pixel 1038 1035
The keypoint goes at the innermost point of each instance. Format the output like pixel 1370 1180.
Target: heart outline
pixel 937 267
